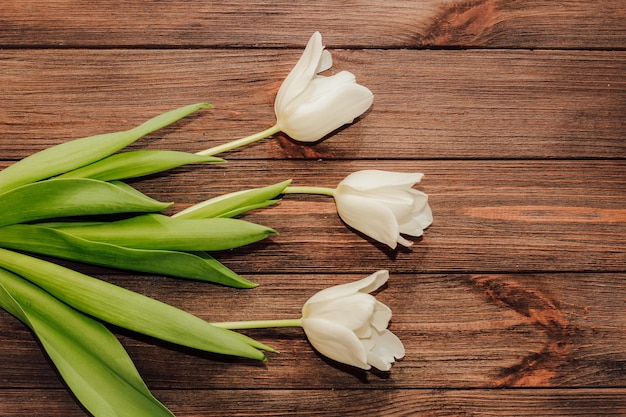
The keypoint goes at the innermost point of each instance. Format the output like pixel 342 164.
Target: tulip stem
pixel 240 142
pixel 258 324
pixel 309 190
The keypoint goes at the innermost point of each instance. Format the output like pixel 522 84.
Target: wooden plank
pixel 459 331
pixel 434 403
pixel 489 216
pixel 366 24
pixel 428 104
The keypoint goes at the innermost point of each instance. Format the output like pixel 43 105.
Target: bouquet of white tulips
pixel 58 203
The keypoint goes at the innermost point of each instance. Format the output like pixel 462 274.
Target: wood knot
pixel 536 368
pixel 463 24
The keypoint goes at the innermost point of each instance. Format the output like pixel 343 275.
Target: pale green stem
pixel 310 190
pixel 240 142
pixel 258 324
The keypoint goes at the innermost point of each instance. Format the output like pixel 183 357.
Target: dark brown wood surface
pixel 513 302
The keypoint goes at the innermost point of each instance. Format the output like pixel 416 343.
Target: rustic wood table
pixel 514 301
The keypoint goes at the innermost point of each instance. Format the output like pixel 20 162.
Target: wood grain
pixel 562 330
pixel 428 104
pixel 571 24
pixel 435 403
pixel 493 216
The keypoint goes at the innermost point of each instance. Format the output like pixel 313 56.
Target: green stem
pixel 258 324
pixel 240 142
pixel 309 190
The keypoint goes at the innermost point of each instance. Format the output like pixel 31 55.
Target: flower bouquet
pixel 71 201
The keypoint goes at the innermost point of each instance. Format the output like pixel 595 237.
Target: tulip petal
pixel 400 201
pixel 352 311
pixel 315 117
pixel 318 90
pixel 301 74
pixel 364 332
pixel 381 317
pixel 326 62
pixel 365 285
pixel 424 215
pixel 370 179
pixel 369 217
pixel 335 342
pixel 385 348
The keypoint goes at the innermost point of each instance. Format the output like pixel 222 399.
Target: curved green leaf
pixel 53 242
pixel 230 205
pixel 128 309
pixel 88 356
pixel 71 197
pixel 79 152
pixel 156 231
pixel 136 164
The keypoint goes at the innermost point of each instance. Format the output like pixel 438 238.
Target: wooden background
pixel 514 301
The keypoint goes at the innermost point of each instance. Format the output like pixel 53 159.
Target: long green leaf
pixel 128 309
pixel 156 231
pixel 136 164
pixel 55 242
pixel 232 204
pixel 88 356
pixel 71 197
pixel 79 152
pixel 244 209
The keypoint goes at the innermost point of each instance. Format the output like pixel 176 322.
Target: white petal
pixel 367 216
pixel 416 225
pixel 326 61
pixel 316 94
pixel 364 332
pixel 424 217
pixel 381 317
pixel 352 311
pixel 401 202
pixel 365 285
pixel 311 116
pixel 335 342
pixel 404 242
pixel 383 348
pixel 301 74
pixel 420 218
pixel 411 228
pixel 373 179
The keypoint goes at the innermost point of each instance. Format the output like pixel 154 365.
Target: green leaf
pixel 72 197
pixel 230 205
pixel 88 356
pixel 244 209
pixel 136 164
pixel 128 309
pixel 79 152
pixel 52 242
pixel 156 231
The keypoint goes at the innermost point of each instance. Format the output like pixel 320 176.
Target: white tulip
pixel 383 205
pixel 309 106
pixel 348 325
